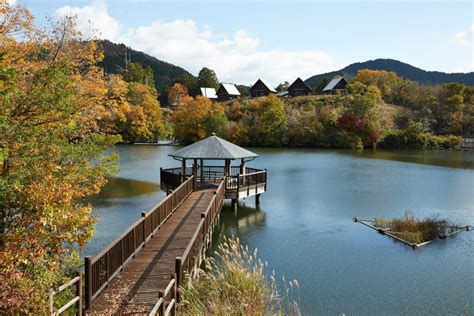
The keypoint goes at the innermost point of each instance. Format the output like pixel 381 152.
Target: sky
pixel 278 40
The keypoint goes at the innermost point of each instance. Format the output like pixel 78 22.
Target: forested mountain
pixel 114 62
pixel 403 70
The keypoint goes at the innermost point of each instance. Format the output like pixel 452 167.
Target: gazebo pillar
pixel 195 173
pixel 201 165
pixel 227 167
pixel 242 168
pixel 183 169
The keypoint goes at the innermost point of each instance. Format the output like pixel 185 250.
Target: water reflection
pixel 117 188
pixel 442 158
pixel 241 222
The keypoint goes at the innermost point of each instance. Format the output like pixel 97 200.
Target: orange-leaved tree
pixel 54 124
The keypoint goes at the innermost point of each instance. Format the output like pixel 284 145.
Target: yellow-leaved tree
pixel 56 116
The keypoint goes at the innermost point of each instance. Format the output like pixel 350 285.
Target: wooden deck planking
pixel 135 289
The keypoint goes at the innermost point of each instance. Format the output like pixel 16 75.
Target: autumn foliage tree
pixel 177 94
pixel 361 119
pixel 196 118
pixel 54 117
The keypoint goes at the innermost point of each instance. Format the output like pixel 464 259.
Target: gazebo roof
pixel 213 147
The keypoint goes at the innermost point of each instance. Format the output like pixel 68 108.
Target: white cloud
pixel 93 20
pixel 11 2
pixel 465 38
pixel 235 58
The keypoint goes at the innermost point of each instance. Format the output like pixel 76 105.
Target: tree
pixel 217 121
pixel 197 118
pixel 52 145
pixel 190 82
pixel 177 94
pixel 321 85
pixel 448 114
pixel 136 73
pixel 361 120
pixel 283 86
pixel 189 119
pixel 244 91
pixel 386 81
pixel 207 78
pixel 270 123
pixel 145 119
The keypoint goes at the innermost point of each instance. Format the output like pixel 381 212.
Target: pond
pixel 303 226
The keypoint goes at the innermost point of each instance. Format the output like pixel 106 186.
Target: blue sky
pixel 280 40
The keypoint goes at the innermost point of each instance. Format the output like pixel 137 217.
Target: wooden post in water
pixel 257 199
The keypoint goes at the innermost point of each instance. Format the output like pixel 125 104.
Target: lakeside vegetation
pixel 236 282
pixel 381 110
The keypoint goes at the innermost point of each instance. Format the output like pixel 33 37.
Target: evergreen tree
pixel 207 78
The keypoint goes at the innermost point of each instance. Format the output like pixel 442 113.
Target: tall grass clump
pixel 236 282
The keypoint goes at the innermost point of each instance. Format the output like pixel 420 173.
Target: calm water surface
pixel 304 227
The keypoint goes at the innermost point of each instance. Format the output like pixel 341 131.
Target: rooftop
pixel 213 147
pixel 266 84
pixel 333 83
pixel 230 88
pixel 209 93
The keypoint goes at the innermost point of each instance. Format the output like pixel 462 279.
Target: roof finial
pixel 213 134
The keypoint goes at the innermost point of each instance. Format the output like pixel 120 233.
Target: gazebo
pixel 240 181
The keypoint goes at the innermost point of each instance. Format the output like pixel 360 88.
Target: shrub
pixel 235 282
pixel 411 229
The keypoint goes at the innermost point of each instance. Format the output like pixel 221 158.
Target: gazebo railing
pixel 171 178
pixel 246 181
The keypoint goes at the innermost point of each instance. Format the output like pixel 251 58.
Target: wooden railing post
pixel 79 294
pixel 174 295
pixel 88 279
pixel 144 228
pixel 179 273
pixel 161 311
pixel 107 266
pixel 122 257
pixel 238 185
pixel 265 179
pixel 51 303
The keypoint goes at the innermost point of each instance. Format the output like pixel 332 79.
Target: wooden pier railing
pixel 76 300
pixel 101 269
pixel 201 239
pixel 162 306
pixel 193 255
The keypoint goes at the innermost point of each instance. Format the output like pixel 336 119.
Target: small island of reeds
pixel 413 231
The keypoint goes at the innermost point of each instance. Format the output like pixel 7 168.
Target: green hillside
pixel 114 62
pixel 403 70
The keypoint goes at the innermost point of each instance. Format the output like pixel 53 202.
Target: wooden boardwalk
pixel 136 288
